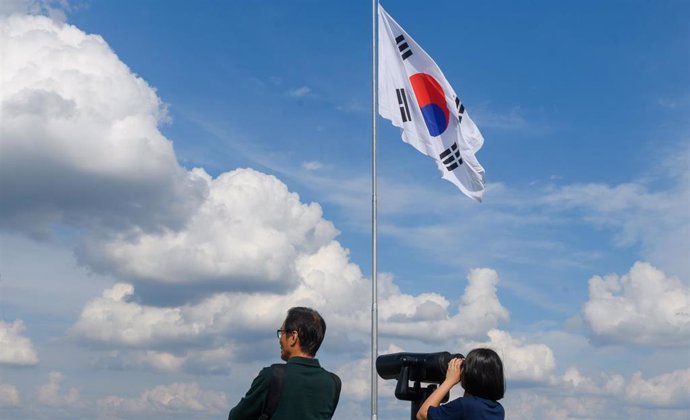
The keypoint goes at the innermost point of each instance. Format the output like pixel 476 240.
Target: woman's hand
pixel 454 372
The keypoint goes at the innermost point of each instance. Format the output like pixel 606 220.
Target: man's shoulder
pixel 266 373
pixel 266 370
pixel 333 374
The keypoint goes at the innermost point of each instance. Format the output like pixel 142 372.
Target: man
pixel 309 392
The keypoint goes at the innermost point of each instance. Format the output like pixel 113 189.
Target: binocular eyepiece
pixel 420 367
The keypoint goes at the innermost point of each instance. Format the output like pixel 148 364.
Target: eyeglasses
pixel 279 333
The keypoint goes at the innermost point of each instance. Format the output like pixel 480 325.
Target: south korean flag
pixel 415 96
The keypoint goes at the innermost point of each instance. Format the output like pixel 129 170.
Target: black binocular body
pixel 422 367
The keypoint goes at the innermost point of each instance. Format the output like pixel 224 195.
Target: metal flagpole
pixel 374 213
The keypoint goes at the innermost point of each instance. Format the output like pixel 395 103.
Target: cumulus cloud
pixel 173 398
pixel 327 281
pixel 52 393
pixel 116 318
pixel 113 318
pixel 480 309
pixel 15 349
pixel 80 139
pixel 523 404
pixel 246 236
pixel 521 361
pixel 196 361
pixel 427 315
pixel 356 378
pixel 9 396
pixel 667 390
pixel 157 361
pixel 575 395
pixel 644 307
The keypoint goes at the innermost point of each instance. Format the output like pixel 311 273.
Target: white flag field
pixel 416 97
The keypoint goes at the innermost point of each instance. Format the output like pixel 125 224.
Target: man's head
pixel 301 333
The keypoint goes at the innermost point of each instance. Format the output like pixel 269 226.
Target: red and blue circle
pixel 432 102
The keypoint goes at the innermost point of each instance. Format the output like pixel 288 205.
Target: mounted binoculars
pixel 416 367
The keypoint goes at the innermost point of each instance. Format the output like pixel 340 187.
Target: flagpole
pixel 374 217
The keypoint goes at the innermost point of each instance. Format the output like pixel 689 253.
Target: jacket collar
pixel 304 361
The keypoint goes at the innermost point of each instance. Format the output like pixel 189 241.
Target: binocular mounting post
pixel 416 395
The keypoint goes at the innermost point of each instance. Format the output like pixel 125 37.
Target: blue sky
pixel 175 175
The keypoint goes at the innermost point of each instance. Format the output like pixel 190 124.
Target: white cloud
pixel 426 316
pixel 197 361
pixel 356 379
pixel 572 378
pixel 245 235
pixel 52 393
pixel 80 139
pixel 531 405
pixel 327 281
pixel 15 349
pixel 667 390
pixel 9 396
pixel 176 397
pixel 112 318
pixel 643 307
pixel 521 361
pixel 116 319
pixel 575 395
pixel 480 309
pixel 162 361
pixel 156 360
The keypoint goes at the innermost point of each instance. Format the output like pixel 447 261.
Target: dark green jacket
pixel 309 393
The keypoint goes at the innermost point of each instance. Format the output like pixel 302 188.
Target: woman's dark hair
pixel 310 327
pixel 482 374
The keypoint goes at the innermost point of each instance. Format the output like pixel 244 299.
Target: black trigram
pixel 461 109
pixel 404 49
pixel 451 157
pixel 404 108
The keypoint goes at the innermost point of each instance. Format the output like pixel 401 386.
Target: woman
pixel 481 375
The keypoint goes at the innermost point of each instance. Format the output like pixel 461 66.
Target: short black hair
pixel 310 327
pixel 482 374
